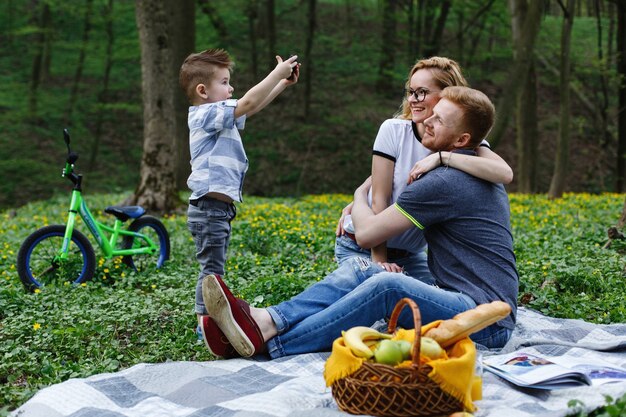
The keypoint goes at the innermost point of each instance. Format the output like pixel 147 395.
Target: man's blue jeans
pixel 359 293
pixel 415 265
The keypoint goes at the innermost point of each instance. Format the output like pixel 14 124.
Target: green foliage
pixel 329 150
pixel 613 408
pixel 562 277
pixel 279 246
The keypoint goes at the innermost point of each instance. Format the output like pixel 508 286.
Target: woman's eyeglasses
pixel 419 94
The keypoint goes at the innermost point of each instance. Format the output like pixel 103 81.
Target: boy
pixel 218 160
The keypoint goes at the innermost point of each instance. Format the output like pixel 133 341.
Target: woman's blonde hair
pixel 445 71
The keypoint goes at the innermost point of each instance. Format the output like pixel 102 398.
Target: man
pixel 465 222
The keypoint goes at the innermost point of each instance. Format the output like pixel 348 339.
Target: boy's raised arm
pixel 261 94
pixel 280 87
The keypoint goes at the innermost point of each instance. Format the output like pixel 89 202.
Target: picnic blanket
pixel 294 386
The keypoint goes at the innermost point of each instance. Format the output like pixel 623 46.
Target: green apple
pixel 406 347
pixel 430 348
pixel 388 352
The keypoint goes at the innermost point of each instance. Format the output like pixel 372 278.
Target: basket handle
pixel 417 322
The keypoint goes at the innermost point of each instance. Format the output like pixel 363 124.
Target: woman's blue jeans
pixel 414 265
pixel 359 293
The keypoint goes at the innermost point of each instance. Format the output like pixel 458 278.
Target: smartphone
pixel 293 71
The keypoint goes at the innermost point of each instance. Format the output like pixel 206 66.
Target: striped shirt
pixel 218 160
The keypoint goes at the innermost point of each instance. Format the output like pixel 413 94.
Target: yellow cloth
pixel 454 373
pixel 340 363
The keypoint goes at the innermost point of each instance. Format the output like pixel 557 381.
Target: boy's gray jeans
pixel 208 221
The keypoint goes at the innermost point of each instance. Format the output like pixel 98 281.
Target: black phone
pixel 293 70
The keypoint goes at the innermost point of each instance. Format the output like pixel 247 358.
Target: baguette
pixel 468 322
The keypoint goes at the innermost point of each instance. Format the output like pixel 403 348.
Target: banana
pixel 356 338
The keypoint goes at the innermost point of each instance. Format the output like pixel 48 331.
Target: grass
pixel 279 246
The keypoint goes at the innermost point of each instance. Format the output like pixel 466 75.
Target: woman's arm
pixel 487 165
pixel 382 188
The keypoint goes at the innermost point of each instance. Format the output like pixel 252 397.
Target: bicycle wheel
pixel 155 230
pixel 38 263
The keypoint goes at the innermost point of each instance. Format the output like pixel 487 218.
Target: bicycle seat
pixel 125 212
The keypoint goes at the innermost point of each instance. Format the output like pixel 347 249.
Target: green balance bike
pixel 60 253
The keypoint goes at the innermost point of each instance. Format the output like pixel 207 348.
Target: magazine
pixel 531 369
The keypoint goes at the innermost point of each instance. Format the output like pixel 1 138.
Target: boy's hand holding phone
pixel 287 68
pixel 295 74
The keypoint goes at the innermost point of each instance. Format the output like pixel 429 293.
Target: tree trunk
pixel 428 17
pixel 419 31
pixel 10 20
pixel 410 30
pixel 527 133
pixel 387 53
pixel 557 185
pixel 475 42
pixel 80 65
pixel 481 17
pixel 208 8
pixel 308 77
pixel 104 92
pixel 610 55
pixel 486 66
pixel 603 102
pixel 620 185
pixel 46 58
pixel 157 186
pixel 40 20
pixel 308 68
pixel 183 43
pixel 435 40
pixel 524 40
pixel 271 34
pixel 252 13
pixel 526 102
pixel 460 40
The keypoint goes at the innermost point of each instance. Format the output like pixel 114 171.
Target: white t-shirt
pixel 397 142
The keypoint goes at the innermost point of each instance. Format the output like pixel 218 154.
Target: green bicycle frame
pixel 97 229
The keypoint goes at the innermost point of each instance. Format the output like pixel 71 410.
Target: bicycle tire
pixel 141 262
pixel 36 266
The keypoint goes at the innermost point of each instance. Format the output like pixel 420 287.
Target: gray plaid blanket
pixel 293 386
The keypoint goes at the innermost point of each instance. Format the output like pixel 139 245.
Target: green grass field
pixel 278 247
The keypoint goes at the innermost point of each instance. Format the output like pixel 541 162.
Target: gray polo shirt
pixel 466 222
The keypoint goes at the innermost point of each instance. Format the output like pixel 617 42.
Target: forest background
pixel 552 67
pixel 78 64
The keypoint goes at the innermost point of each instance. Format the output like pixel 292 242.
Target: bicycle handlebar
pixel 72 157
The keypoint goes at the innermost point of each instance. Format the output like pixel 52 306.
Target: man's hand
pixel 423 166
pixel 346 210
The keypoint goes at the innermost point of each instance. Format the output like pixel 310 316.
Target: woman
pixel 399 157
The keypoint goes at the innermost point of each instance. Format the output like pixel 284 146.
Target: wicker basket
pixel 383 390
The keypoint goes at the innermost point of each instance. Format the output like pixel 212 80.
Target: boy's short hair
pixel 199 68
pixel 479 114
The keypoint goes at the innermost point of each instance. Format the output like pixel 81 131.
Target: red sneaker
pixel 215 340
pixel 232 316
